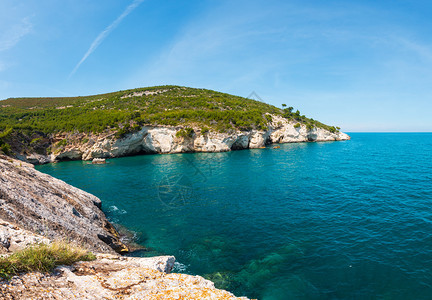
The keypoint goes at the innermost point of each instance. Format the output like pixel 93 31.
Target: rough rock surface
pixel 13 238
pixel 113 277
pixel 163 139
pixel 52 208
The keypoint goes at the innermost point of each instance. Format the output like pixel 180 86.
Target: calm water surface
pixel 338 220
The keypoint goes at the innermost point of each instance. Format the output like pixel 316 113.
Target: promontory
pixel 162 119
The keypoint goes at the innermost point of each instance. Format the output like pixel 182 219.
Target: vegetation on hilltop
pixel 126 111
pixel 160 105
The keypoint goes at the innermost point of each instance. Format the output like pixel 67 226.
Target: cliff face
pixel 164 139
pixel 50 207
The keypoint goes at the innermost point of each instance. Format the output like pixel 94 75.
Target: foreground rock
pixel 13 238
pixel 113 277
pixel 99 161
pixel 54 209
pixel 165 139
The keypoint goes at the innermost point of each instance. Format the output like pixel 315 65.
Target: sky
pixel 362 65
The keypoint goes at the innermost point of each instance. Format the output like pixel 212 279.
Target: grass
pixel 42 258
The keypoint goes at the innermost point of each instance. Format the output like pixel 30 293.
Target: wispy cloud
pixel 421 50
pixel 11 36
pixel 99 39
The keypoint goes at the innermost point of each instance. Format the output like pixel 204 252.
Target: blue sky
pixel 363 65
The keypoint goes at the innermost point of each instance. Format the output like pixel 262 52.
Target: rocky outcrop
pixel 107 277
pixel 54 209
pixel 113 277
pixel 13 238
pixel 164 139
pixel 37 208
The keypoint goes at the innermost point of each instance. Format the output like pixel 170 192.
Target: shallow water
pixel 336 220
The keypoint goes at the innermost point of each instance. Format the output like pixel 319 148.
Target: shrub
pixel 35 140
pixel 205 130
pixel 309 126
pixel 5 133
pixel 288 110
pixel 42 258
pixel 185 132
pixel 269 118
pixel 62 143
pixel 126 129
pixel 5 148
pixel 332 129
pixel 297 125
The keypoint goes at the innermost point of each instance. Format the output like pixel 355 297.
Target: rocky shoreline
pixel 108 277
pixel 37 208
pixel 172 139
pixel 50 207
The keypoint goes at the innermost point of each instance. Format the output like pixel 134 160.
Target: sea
pixel 327 220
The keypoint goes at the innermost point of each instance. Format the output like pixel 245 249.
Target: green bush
pixel 127 129
pixel 5 148
pixel 35 140
pixel 185 132
pixel 269 118
pixel 5 133
pixel 61 143
pixel 205 130
pixel 42 258
pixel 297 125
pixel 333 129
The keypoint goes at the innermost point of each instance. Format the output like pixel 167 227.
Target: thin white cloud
pixel 99 39
pixel 12 35
pixel 421 50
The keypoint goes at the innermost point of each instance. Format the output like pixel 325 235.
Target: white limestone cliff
pixel 163 140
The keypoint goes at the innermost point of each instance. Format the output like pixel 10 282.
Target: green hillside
pixel 161 105
pixel 126 111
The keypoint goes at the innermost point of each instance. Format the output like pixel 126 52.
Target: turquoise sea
pixel 335 220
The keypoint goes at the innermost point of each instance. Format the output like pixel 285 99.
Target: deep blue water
pixel 336 220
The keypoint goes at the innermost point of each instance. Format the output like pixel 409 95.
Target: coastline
pixel 170 139
pixel 74 215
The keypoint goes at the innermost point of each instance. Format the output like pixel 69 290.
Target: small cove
pixel 340 220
